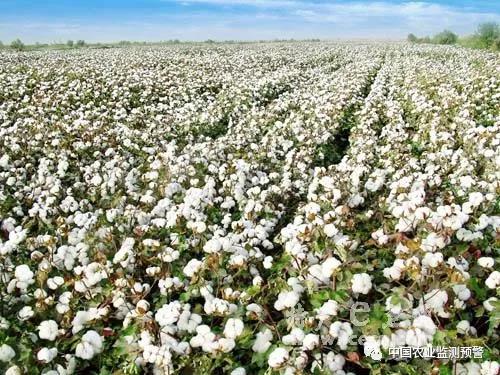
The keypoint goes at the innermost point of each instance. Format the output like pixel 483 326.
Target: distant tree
pixel 412 38
pixel 17 45
pixel 488 34
pixel 445 37
pixel 1 44
pixel 80 43
pixel 70 43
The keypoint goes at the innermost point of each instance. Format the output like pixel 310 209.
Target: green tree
pixel 17 45
pixel 412 38
pixel 80 43
pixel 445 37
pixel 70 43
pixel 488 34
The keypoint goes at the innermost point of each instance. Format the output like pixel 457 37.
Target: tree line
pixel 486 36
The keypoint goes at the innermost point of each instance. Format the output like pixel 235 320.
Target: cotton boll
pixel 486 262
pixel 48 330
pixel 13 370
pixel 493 280
pixel 278 357
pixel 25 313
pixel 192 267
pixel 262 341
pixel 372 348
pixel 6 353
pixel 295 337
pixel 238 371
pixel 328 309
pixel 286 300
pixel 329 266
pixel 490 368
pixel 432 260
pixel 233 328
pixel 90 345
pixel 361 283
pixel 46 355
pixel 310 341
pixel 268 262
pixel 330 230
pixel 342 331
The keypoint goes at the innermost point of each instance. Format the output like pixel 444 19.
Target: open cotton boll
pixel 192 267
pixel 90 345
pixel 295 337
pixel 486 262
pixel 493 280
pixel 6 353
pixel 361 283
pixel 48 330
pixel 341 331
pixel 233 328
pixel 262 341
pixel 278 357
pixel 286 300
pixel 46 355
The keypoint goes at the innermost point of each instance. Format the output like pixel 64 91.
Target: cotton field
pixel 294 208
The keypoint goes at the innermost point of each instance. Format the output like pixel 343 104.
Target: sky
pixel 48 21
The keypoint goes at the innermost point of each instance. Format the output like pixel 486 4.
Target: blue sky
pixel 153 20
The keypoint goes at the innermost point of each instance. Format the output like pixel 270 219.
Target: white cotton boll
pixel 24 274
pixel 13 370
pixel 310 342
pixel 493 280
pixel 239 371
pixel 225 345
pixel 295 337
pixel 268 262
pixel 200 227
pixel 330 230
pixel 55 282
pixel 463 327
pixel 262 341
pixel 327 310
pixel 233 328
pixel 278 357
pixel 90 345
pixel 395 271
pixel 342 331
pixel 435 300
pixel 432 260
pixel 25 313
pixel 371 348
pixel 286 300
pixel 335 362
pixel 488 304
pixel 361 283
pixel 426 324
pixel 329 266
pixel 192 267
pixel 6 353
pixel 96 180
pixel 48 330
pixel 486 262
pixel 4 161
pixel 476 198
pixel 212 246
pixel 46 355
pixel 490 368
pixel 380 237
pixel 462 292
